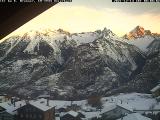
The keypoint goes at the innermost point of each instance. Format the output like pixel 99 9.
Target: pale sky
pixel 90 15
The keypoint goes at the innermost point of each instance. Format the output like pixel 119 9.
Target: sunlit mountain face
pixel 139 32
pixel 140 37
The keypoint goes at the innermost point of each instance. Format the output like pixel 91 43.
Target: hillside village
pixel 131 106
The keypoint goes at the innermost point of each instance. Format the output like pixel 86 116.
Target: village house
pixel 156 91
pixel 134 116
pixel 72 115
pixel 36 110
pixel 4 115
pixel 8 109
pixel 115 111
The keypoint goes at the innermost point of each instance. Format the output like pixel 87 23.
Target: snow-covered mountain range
pixel 76 65
pixel 140 37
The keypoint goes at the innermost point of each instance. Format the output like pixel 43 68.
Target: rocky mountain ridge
pixel 139 32
pixel 73 65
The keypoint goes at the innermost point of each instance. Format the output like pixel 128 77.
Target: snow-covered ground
pixel 136 101
pixel 142 42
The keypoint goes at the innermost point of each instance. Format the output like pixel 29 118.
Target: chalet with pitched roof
pixel 36 110
pixel 115 111
pixel 72 115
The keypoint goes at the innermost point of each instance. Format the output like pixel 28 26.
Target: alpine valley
pixel 77 65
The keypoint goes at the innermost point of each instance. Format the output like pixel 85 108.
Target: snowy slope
pixel 142 42
pixel 84 37
pixel 140 37
pixel 137 101
pixel 54 37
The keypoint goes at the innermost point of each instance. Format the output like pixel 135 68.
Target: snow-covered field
pixel 142 42
pixel 136 101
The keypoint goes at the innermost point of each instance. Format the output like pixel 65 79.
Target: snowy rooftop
pixel 41 104
pixel 135 116
pixel 90 115
pixel 10 108
pixel 73 113
pixel 112 106
pixel 156 88
pixel 126 106
pixel 158 97
pixel 109 107
pixel 44 96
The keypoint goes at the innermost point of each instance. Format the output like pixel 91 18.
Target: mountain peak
pixel 63 31
pixel 107 32
pixel 33 33
pixel 137 32
pixel 139 27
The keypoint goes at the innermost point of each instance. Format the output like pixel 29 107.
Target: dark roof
pixel 81 115
pixel 2 109
pixel 62 109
